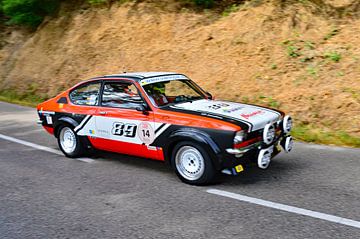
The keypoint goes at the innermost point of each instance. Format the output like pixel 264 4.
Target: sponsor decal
pixel 103 132
pixel 239 168
pixel 49 119
pixel 151 147
pixel 91 131
pixel 162 78
pixel 218 106
pixel 247 116
pixel 61 106
pixel 42 112
pixel 146 133
pixel 231 110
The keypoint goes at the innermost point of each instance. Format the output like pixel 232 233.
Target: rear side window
pixel 86 94
pixel 121 95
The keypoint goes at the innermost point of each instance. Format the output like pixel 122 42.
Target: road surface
pixel 313 192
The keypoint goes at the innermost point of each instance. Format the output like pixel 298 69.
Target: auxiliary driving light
pixel 264 158
pixel 287 124
pixel 287 143
pixel 269 133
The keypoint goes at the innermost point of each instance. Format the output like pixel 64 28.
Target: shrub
pixel 334 56
pixel 97 2
pixel 29 12
pixel 204 3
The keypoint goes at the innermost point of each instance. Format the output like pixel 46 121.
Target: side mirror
pixel 143 108
pixel 209 96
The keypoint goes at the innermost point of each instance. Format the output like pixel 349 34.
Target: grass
pixel 312 134
pixel 26 99
pixel 332 33
pixel 230 9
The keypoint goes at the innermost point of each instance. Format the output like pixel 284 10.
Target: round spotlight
pixel 264 159
pixel 289 142
pixel 269 133
pixel 287 124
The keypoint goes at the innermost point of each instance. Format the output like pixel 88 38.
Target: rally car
pixel 165 116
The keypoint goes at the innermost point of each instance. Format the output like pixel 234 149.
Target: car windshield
pixel 173 92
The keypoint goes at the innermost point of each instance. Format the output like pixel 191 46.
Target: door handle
pixel 102 112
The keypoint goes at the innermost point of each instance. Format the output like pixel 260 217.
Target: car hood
pixel 255 117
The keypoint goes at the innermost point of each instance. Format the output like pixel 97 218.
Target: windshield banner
pixel 162 78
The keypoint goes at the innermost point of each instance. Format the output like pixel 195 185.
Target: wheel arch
pixel 195 136
pixel 64 120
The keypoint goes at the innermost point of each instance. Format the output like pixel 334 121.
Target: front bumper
pixel 248 156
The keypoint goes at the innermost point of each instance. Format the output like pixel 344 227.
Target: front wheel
pixel 69 142
pixel 192 164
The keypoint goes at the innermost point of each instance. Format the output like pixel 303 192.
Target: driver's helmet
pixel 159 88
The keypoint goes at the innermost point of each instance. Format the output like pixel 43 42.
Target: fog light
pixel 287 144
pixel 287 124
pixel 264 158
pixel 269 133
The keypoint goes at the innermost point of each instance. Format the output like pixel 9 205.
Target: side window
pixel 121 95
pixel 86 94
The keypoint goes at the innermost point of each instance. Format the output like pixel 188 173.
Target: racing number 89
pixel 126 130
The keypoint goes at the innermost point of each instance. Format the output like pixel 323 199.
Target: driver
pixel 158 94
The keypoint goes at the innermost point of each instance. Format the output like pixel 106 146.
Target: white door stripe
pixel 82 123
pixel 283 207
pixel 40 147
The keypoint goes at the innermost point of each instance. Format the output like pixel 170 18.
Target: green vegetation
pixel 32 12
pixel 97 2
pixel 268 101
pixel 27 98
pixel 334 56
pixel 228 10
pixel 332 33
pixel 312 70
pixel 313 134
pixel 292 49
pixel 28 12
pixel 204 3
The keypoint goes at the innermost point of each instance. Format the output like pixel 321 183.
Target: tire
pixel 192 164
pixel 69 142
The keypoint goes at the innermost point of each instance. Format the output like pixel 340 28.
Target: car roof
pixel 140 75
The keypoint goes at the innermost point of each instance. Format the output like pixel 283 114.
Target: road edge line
pixel 286 208
pixel 41 147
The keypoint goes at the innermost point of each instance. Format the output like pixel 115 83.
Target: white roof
pixel 145 74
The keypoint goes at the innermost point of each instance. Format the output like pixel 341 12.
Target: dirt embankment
pixel 299 57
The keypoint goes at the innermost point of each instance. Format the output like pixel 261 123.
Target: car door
pixel 121 125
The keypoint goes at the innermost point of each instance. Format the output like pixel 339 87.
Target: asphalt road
pixel 45 195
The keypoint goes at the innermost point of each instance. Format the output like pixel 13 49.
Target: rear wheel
pixel 69 142
pixel 192 164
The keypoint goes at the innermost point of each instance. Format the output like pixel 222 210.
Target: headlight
pixel 287 124
pixel 269 133
pixel 239 137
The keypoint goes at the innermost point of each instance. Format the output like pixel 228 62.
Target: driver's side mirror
pixel 209 96
pixel 143 108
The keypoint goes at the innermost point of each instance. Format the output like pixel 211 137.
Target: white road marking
pixel 283 207
pixel 40 147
